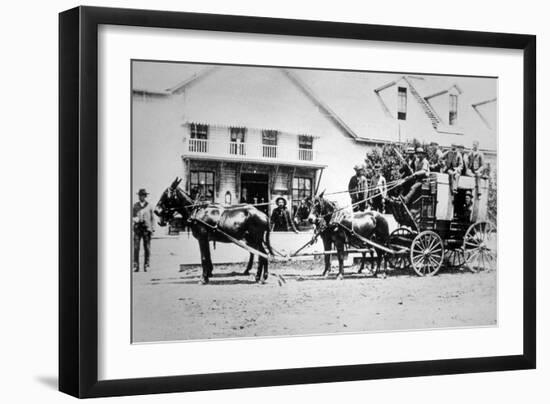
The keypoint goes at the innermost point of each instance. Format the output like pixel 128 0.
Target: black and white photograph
pixel 276 201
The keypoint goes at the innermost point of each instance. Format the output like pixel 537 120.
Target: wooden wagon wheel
pixel 400 238
pixel 480 246
pixel 455 258
pixel 427 253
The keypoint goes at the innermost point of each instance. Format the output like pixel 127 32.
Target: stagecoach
pixel 437 228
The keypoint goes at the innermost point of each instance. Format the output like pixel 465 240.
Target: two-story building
pixel 252 134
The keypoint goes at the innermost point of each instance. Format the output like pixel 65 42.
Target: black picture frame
pixel 78 196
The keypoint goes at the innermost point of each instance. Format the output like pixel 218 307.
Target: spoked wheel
pixel 399 239
pixel 455 258
pixel 427 253
pixel 480 247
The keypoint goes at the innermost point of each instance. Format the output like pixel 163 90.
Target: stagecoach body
pixel 436 229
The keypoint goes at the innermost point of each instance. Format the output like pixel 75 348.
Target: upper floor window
pixel 305 147
pixel 402 103
pixel 198 131
pixel 453 109
pixel 269 143
pixel 237 138
pixel 305 142
pixel 198 141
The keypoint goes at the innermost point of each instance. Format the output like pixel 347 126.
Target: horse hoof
pixel 203 281
pixel 246 273
pixel 340 277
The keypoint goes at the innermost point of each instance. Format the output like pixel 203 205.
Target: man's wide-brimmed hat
pixel 143 192
pixel 410 150
pixel 378 166
pixel 280 198
pixel 420 150
pixel 358 167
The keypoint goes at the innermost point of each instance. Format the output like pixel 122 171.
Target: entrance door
pixel 255 190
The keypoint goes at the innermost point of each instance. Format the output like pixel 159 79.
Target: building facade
pixel 251 134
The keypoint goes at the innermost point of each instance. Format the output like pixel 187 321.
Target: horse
pixel 212 222
pixel 339 227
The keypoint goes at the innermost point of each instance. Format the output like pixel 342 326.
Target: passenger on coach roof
pixel 454 166
pixel 421 169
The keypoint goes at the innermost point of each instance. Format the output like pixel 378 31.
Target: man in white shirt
pixel 379 190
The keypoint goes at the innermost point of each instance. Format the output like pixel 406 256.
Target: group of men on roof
pixel 368 187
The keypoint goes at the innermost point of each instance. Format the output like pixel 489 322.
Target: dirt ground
pixel 170 305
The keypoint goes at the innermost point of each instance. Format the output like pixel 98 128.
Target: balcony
pixel 254 152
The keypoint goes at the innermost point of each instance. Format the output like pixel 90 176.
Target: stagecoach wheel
pixel 455 258
pixel 427 253
pixel 399 239
pixel 480 244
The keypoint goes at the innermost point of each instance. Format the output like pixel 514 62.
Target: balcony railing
pixel 237 148
pixel 305 154
pixel 249 151
pixel 269 151
pixel 198 145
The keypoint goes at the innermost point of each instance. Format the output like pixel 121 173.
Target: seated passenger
pixel 421 171
pixel 465 210
pixel 453 167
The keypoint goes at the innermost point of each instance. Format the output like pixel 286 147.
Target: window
pixel 453 109
pixel 301 188
pixel 402 103
pixel 199 131
pixel 202 185
pixel 269 143
pixel 305 147
pixel 305 142
pixel 198 142
pixel 237 139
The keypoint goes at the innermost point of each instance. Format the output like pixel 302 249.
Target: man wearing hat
pixel 144 226
pixel 379 189
pixel 421 170
pixel 465 211
pixel 280 217
pixel 454 166
pixel 358 188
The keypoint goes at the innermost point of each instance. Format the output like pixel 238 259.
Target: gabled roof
pixel 304 101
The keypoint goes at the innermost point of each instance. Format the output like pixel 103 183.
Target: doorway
pixel 255 190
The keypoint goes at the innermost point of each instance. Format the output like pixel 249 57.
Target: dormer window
pixel 402 103
pixel 453 109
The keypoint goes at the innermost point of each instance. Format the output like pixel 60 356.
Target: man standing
pixel 357 188
pixel 280 217
pixel 454 166
pixel 144 226
pixel 379 189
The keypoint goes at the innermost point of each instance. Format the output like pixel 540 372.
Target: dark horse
pixel 209 222
pixel 341 228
